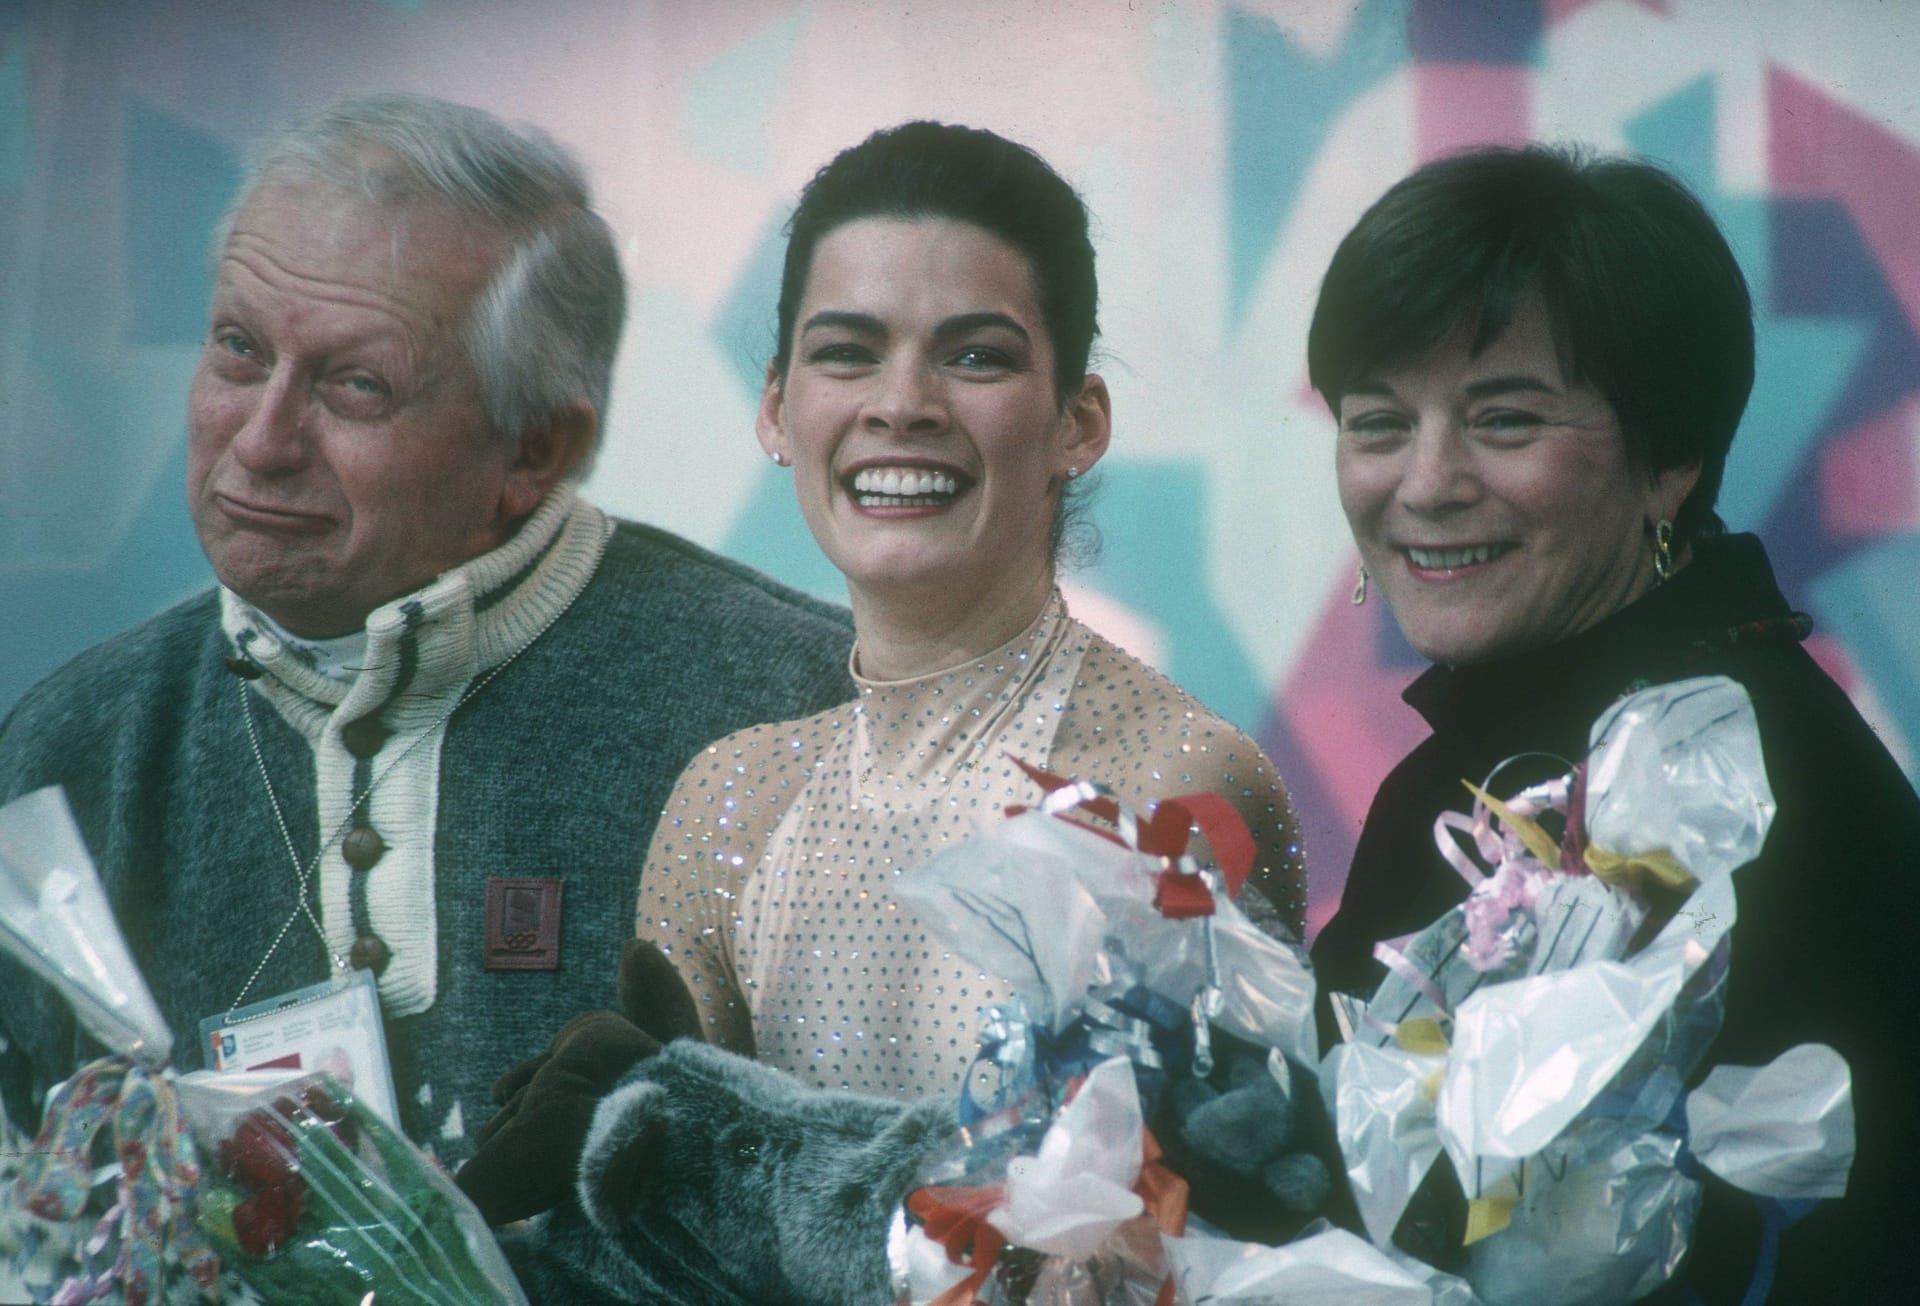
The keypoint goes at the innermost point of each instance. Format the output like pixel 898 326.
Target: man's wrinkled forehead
pixel 327 239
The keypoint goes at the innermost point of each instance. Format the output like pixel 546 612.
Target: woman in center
pixel 930 392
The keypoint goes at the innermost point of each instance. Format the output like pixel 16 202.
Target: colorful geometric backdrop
pixel 1224 148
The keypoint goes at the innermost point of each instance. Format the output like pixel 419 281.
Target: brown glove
pixel 530 1150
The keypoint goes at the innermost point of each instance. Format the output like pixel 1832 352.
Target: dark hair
pixel 967 174
pixel 1646 302
pixel 933 170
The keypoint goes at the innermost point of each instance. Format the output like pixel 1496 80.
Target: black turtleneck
pixel 1827 912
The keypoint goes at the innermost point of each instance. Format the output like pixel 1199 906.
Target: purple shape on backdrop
pixel 1474 31
pixel 1822 267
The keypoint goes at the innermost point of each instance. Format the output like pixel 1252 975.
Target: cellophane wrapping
pixel 1055 1194
pixel 1541 1035
pixel 1541 1038
pixel 143 1185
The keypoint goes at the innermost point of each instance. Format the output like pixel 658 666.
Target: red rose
pixel 265 1221
pixel 261 1152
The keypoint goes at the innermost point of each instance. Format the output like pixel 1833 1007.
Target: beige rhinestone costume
pixel 769 882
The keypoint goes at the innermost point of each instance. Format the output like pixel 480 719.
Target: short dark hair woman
pixel 1538 362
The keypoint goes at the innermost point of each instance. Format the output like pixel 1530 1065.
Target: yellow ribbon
pixel 1635 871
pixel 1541 844
pixel 1487 1215
pixel 1640 870
pixel 1421 1034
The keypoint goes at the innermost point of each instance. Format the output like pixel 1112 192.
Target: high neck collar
pixel 464 622
pixel 908 729
pixel 1728 585
pixel 338 658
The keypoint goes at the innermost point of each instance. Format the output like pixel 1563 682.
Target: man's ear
pixel 1088 422
pixel 549 450
pixel 769 423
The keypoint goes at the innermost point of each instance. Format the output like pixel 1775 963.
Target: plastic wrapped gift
pixel 1117 933
pixel 1135 977
pixel 1541 1033
pixel 1076 1221
pixel 139 1175
pixel 1330 1267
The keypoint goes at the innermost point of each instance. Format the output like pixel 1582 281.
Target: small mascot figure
pixel 663 1172
pixel 660 1171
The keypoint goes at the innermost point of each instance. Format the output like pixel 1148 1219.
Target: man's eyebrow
pixel 827 318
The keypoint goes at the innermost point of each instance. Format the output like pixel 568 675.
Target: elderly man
pixel 425 724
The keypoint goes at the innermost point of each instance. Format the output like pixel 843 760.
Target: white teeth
pixel 1446 559
pixel 903 482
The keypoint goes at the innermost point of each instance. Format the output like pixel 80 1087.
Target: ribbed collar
pixel 1728 585
pixel 465 622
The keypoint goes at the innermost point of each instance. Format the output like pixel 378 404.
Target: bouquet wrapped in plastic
pixel 1148 1011
pixel 282 1182
pixel 1541 1035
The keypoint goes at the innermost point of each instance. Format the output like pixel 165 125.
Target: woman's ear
pixel 548 451
pixel 769 423
pixel 1668 490
pixel 1088 425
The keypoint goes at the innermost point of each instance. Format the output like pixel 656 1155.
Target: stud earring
pixel 1662 551
pixel 1072 472
pixel 1360 587
pixel 779 459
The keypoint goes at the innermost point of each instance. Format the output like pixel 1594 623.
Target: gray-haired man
pixel 425 724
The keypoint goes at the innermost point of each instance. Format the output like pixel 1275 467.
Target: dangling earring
pixel 1662 551
pixel 1360 587
pixel 779 459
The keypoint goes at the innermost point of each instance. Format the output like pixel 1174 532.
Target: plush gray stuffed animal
pixel 710 1180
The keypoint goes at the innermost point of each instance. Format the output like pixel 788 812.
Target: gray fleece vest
pixel 556 768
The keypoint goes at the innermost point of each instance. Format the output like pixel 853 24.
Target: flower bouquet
pixel 1540 1036
pixel 1510 1109
pixel 1148 1010
pixel 282 1182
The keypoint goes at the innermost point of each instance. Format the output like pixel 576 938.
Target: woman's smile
pixel 888 488
pixel 918 409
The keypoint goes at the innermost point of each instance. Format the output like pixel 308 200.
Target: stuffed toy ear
pixel 625 1152
pixel 654 996
pixel 529 1151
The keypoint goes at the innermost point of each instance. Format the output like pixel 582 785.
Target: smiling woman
pixel 1492 497
pixel 927 444
pixel 1538 363
pixel 931 394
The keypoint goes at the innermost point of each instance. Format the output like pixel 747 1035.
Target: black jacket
pixel 1822 949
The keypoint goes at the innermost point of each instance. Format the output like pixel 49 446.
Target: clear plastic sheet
pixel 1557 1015
pixel 1056 1193
pixel 139 1176
pixel 1783 1130
pixel 55 919
pixel 1328 1268
pixel 1611 1231
pixel 311 1197
pixel 1055 909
